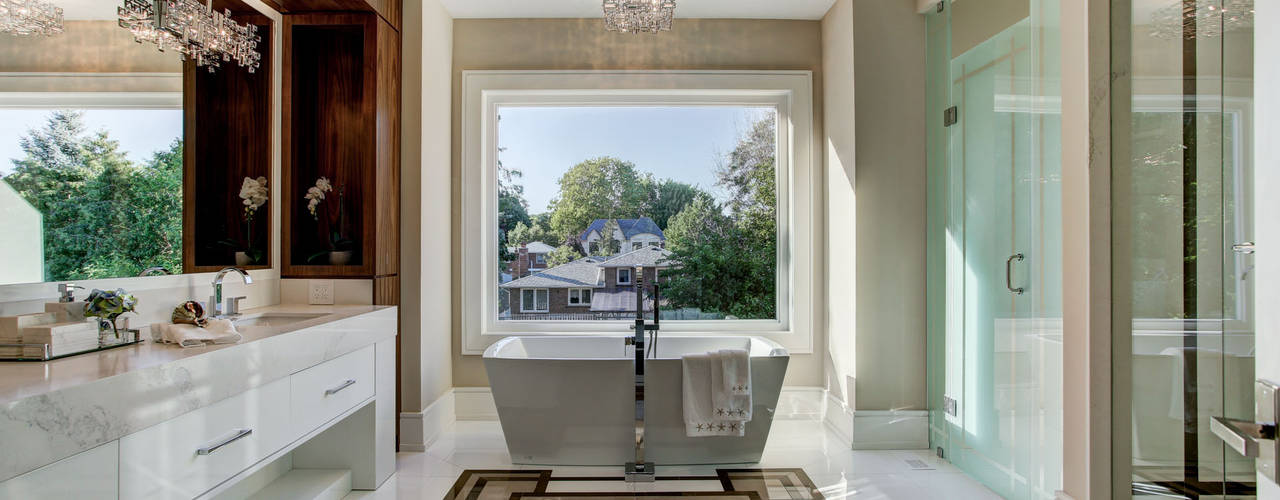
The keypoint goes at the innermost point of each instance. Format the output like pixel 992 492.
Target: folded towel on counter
pixel 218 331
pixel 710 406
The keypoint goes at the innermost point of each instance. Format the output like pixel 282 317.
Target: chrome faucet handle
pixel 233 305
pixel 67 292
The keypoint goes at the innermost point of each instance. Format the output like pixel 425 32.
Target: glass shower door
pixel 995 245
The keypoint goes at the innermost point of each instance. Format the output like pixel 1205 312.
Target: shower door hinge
pixel 941 5
pixel 949 405
pixel 950 116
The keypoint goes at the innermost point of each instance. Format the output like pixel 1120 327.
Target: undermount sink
pixel 275 318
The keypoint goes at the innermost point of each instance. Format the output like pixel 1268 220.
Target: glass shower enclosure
pixel 995 243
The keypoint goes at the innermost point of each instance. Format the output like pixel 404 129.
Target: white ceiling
pixel 687 9
pixel 88 10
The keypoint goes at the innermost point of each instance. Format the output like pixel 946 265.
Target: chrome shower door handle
pixel 1243 436
pixel 1008 273
pixel 1255 437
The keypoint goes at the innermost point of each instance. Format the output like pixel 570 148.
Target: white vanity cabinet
pixel 318 396
pixel 89 474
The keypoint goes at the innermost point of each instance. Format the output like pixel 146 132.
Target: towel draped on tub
pixel 717 393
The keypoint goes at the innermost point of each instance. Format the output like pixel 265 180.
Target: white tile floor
pixel 838 472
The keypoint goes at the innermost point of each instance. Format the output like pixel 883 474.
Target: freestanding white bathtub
pixel 571 400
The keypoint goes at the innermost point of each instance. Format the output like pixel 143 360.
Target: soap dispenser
pixel 67 307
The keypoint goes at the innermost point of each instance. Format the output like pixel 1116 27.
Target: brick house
pixel 592 287
pixel 530 258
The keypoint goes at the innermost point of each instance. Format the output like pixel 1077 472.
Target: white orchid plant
pixel 253 195
pixel 332 226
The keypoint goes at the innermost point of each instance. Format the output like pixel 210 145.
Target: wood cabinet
pixel 341 121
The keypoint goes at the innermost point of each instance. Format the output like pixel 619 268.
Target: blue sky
pixel 681 143
pixel 141 132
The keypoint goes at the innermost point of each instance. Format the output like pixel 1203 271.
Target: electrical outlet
pixel 321 292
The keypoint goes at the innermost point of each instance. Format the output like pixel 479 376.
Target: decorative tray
pixel 131 337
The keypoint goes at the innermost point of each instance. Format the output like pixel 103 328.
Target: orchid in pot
pixel 331 220
pixel 253 195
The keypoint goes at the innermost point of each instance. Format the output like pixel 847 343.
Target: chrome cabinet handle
pixel 335 390
pixel 1008 274
pixel 1245 248
pixel 239 433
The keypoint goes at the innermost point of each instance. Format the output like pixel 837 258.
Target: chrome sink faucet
pixel 233 303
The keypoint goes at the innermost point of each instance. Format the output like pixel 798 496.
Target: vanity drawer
pixel 186 456
pixel 324 391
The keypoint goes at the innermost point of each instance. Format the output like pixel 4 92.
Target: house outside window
pixel 540 259
pixel 534 300
pixel 769 114
pixel 579 296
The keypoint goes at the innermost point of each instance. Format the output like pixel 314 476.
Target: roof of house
pixel 646 256
pixel 534 247
pixel 584 272
pixel 629 227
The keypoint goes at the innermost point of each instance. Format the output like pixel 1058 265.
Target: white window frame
pixel 535 300
pixel 617 277
pixel 798 176
pixel 569 297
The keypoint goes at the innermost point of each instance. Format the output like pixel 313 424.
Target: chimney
pixel 522 261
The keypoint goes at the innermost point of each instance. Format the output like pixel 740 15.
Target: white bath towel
pixel 218 331
pixel 709 408
pixel 732 396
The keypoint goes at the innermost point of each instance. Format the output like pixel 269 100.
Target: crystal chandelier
pixel 639 16
pixel 1201 18
pixel 30 17
pixel 193 30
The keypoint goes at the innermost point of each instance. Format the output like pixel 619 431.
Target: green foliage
pixel 599 188
pixel 104 216
pixel 668 197
pixel 524 234
pixel 512 207
pixel 563 254
pixel 727 263
pixel 109 306
pixel 608 245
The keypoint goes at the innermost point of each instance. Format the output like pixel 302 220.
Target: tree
pixel 523 234
pixel 599 188
pixel 607 244
pixel 104 217
pixel 563 254
pixel 668 197
pixel 727 263
pixel 512 207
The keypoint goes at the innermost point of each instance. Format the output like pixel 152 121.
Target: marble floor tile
pixel 837 472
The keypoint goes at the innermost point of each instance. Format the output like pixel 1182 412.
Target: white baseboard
pixel 838 417
pixel 474 403
pixel 419 429
pixel 800 403
pixel 1062 495
pixel 890 430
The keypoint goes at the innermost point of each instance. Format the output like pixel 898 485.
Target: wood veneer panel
pixel 387 196
pixel 227 136
pixel 389 10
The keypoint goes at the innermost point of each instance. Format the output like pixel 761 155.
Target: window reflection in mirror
pixel 93 127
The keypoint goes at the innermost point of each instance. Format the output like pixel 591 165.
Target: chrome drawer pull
pixel 348 383
pixel 230 439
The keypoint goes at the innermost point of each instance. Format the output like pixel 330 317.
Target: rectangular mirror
pixel 118 159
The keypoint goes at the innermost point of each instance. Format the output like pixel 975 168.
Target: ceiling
pixel 687 9
pixel 88 10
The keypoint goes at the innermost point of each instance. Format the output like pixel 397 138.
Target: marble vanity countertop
pixel 52 410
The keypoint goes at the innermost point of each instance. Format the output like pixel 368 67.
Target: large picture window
pixel 686 180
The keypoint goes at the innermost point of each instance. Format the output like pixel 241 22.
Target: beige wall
pixel 708 44
pixel 839 147
pixel 888 56
pixel 426 300
pixel 85 46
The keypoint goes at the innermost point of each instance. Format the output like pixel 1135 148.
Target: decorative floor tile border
pixel 738 484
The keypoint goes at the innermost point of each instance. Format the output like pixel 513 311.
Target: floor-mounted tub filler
pixel 570 400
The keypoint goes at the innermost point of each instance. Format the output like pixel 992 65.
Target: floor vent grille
pixel 917 464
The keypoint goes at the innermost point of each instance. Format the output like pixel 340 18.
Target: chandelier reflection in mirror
pixel 1191 19
pixel 30 17
pixel 193 30
pixel 639 16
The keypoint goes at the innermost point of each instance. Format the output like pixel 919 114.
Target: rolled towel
pixel 218 331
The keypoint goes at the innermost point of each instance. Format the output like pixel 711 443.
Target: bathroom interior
pixel 744 249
